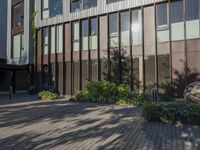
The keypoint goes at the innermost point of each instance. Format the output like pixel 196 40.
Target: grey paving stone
pixel 61 125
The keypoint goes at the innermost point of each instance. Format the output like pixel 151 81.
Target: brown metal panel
pixel 149 30
pixel 103 38
pixel 76 75
pixel 52 58
pixel 85 55
pixel 60 57
pixel 94 66
pixel 17 30
pixel 15 2
pixel 76 56
pixel 163 48
pixel 60 78
pixel 45 59
pixel 67 42
pixel 68 78
pixel 39 77
pixel 193 59
pixel 84 72
pixel 39 47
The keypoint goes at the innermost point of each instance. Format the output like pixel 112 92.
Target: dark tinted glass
pixel 55 7
pixel 192 9
pixel 176 11
pixel 161 14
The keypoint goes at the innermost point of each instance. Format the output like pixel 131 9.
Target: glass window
pixel 136 27
pixel 176 11
pixel 89 4
pixel 125 40
pixel 162 17
pixel 53 40
pixel 18 46
pixel 18 15
pixel 85 34
pixel 75 36
pixel 192 9
pixel 59 41
pixel 77 5
pixel 93 33
pixel 45 40
pixel 51 8
pixel 113 30
pixel 112 1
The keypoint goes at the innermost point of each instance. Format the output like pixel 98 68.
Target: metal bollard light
pixel 10 92
pixel 154 95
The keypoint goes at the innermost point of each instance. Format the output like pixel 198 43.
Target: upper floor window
pixel 77 5
pixel 176 11
pixel 18 15
pixel 162 16
pixel 112 1
pixel 113 30
pixel 18 46
pixel 192 10
pixel 45 35
pixel 51 8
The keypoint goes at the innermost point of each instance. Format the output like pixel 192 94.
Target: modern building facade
pixel 145 43
pixel 19 50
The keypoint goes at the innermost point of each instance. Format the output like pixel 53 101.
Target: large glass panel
pixel 149 72
pixel 192 19
pixel 16 46
pixel 176 8
pixel 93 34
pixel 85 34
pixel 113 30
pixel 162 23
pixel 45 40
pixel 177 24
pixel 192 9
pixel 162 17
pixel 53 40
pixel 125 34
pixel 164 74
pixel 52 8
pixel 59 39
pixel 18 15
pixel 76 36
pixel 112 1
pixel 89 4
pixel 136 27
pixel 75 5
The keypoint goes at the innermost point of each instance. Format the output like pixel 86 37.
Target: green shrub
pixel 46 95
pixel 123 90
pixel 82 95
pixel 103 92
pixel 170 112
pixel 151 111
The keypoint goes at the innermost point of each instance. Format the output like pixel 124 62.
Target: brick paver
pixel 86 126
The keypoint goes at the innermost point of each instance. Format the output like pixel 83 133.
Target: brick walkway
pixel 86 126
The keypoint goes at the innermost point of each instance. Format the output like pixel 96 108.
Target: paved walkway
pixel 86 126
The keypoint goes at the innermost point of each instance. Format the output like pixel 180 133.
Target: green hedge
pixel 103 92
pixel 170 112
pixel 46 95
pixel 108 92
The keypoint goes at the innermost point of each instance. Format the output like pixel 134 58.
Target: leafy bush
pixel 103 92
pixel 170 112
pixel 46 95
pixel 134 99
pixel 82 95
pixel 151 111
